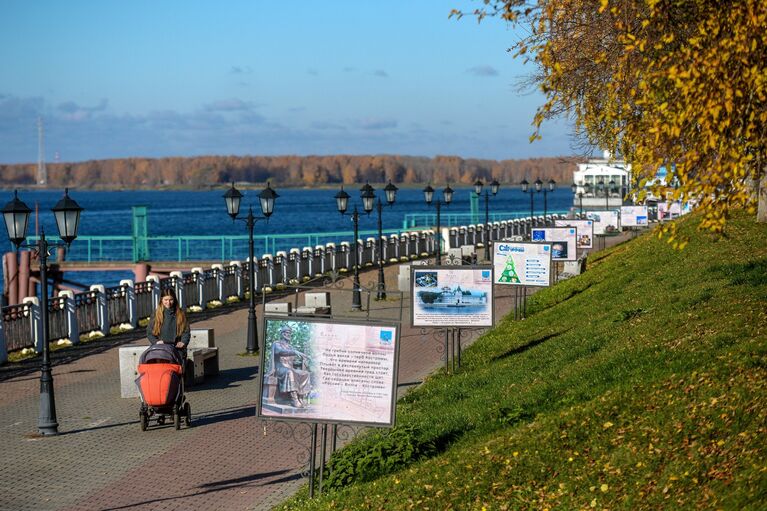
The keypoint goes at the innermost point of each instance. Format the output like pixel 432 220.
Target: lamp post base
pixel 46 423
pixel 251 345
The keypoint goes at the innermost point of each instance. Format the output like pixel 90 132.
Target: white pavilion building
pixel 601 184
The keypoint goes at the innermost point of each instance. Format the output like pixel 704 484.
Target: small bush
pixel 378 453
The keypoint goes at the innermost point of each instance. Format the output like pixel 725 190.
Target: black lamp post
pixel 579 190
pixel 611 188
pixel 478 190
pixel 342 203
pixel 552 185
pixel 233 197
pixel 579 194
pixel 391 196
pixel 447 196
pixel 16 216
pixel 526 189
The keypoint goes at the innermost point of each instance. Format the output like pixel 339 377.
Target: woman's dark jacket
pixel 168 329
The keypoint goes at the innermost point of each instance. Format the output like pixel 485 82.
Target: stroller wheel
pixel 187 415
pixel 144 420
pixel 176 417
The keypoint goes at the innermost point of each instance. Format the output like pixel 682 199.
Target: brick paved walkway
pixel 102 461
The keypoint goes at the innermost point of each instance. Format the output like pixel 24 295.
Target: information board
pixel 604 221
pixel 329 371
pixel 634 216
pixel 522 264
pixel 562 239
pixel 452 296
pixel 669 211
pixel 585 231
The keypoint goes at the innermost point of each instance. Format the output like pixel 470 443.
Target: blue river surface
pixel 197 213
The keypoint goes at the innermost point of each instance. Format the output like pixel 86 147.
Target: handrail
pixel 423 220
pixel 200 247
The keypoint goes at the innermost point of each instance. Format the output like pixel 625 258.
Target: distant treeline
pixel 206 171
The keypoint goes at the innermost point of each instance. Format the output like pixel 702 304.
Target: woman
pixel 168 324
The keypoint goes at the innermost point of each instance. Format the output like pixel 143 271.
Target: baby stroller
pixel 161 386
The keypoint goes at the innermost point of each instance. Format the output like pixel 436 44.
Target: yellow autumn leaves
pixel 674 83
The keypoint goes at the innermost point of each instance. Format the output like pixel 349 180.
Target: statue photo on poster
pixel 329 371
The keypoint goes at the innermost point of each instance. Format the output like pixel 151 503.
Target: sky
pixel 253 77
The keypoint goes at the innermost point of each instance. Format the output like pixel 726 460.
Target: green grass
pixel 640 384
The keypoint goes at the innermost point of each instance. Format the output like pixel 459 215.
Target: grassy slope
pixel 640 384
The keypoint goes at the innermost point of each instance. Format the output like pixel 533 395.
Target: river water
pixel 179 213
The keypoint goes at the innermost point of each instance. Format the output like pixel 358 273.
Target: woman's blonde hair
pixel 158 314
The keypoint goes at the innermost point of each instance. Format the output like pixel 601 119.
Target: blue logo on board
pixel 386 336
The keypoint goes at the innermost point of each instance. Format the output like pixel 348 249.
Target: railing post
pixel 319 254
pixel 270 280
pixel 178 280
pixel 155 280
pixel 36 325
pixel 101 308
pixel 330 253
pixel 308 253
pixel 200 283
pixel 130 302
pixel 283 267
pixel 218 271
pixel 406 237
pixel 295 254
pixel 346 250
pixel 238 278
pixel 369 251
pixel 73 329
pixel 395 244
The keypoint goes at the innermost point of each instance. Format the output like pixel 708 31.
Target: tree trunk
pixel 761 212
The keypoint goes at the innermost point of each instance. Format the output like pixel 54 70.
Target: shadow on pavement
pixel 209 488
pixel 238 481
pixel 226 378
pixel 100 426
pixel 222 415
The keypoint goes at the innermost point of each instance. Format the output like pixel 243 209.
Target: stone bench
pixel 278 308
pixel 203 354
pixel 315 304
pixel 201 360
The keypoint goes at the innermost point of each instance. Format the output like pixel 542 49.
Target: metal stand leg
pixel 322 454
pixel 524 302
pixel 312 460
pixel 459 348
pixel 447 351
